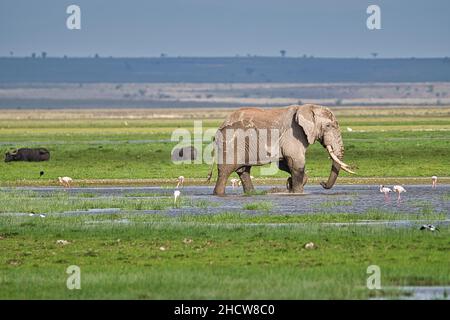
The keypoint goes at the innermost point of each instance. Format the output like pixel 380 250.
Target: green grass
pixel 260 206
pixel 32 202
pixel 124 260
pixel 332 204
pixel 395 146
pixel 227 255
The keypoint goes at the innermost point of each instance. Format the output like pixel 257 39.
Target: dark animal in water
pixel 28 154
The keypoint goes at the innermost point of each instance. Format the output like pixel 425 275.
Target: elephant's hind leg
pixel 244 175
pixel 224 171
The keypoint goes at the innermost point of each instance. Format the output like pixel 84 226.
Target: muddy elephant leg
pixel 224 172
pixel 297 168
pixel 297 180
pixel 289 184
pixel 244 175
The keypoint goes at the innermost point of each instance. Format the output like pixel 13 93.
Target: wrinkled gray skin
pixel 299 126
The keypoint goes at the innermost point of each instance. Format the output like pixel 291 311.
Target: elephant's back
pixel 253 117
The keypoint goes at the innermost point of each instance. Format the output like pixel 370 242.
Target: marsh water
pixel 418 199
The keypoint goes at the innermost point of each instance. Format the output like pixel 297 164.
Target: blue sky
pixel 142 28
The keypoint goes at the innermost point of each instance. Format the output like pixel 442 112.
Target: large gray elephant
pixel 294 128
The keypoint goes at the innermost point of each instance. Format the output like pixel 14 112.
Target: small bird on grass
pixel 429 227
pixel 180 181
pixel 310 245
pixel 41 174
pixel 65 181
pixel 32 214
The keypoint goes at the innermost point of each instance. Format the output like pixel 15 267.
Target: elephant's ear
pixel 305 118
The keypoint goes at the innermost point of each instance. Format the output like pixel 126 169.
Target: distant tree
pixel 11 53
pixel 283 53
pixel 374 54
pixel 163 55
pixel 33 55
pixel 96 56
pixel 44 54
pixel 65 56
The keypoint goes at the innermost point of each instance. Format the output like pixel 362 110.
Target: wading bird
pixel 433 182
pixel 385 190
pixel 65 181
pixel 180 181
pixel 176 195
pixel 399 190
pixel 429 227
pixel 234 182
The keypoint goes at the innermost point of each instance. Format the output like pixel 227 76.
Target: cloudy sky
pixel 142 28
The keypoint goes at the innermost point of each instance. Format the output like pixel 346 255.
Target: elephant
pixel 295 127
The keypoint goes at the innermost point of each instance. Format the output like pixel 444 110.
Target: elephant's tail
pixel 211 170
pixel 212 165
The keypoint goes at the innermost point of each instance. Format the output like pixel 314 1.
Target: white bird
pixel 42 215
pixel 180 180
pixel 399 190
pixel 429 227
pixel 434 182
pixel 385 190
pixel 176 195
pixel 349 129
pixel 65 181
pixel 235 182
pixel 310 245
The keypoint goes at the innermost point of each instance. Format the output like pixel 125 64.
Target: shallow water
pixel 420 293
pixel 418 200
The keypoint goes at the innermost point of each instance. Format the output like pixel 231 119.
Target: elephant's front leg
pixel 244 175
pixel 289 182
pixel 298 178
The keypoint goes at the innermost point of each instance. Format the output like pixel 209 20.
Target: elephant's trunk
pixel 336 166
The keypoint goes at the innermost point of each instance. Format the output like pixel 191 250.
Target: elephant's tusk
pixel 343 165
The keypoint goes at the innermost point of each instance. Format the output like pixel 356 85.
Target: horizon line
pixel 39 56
